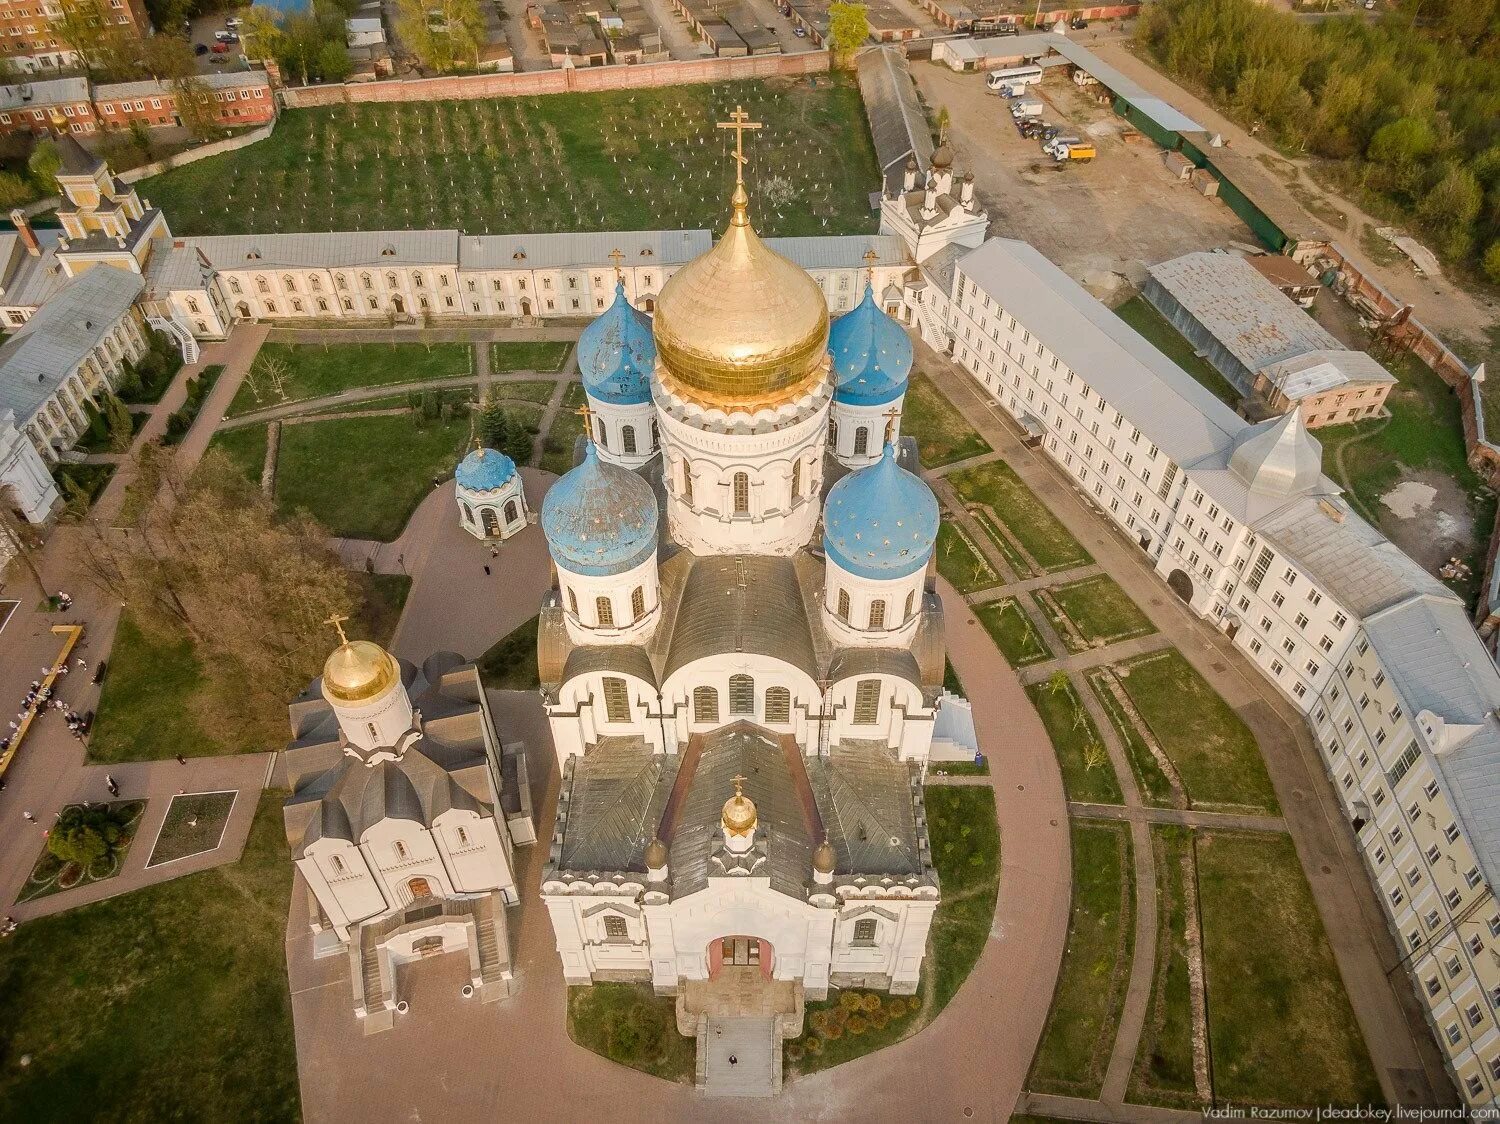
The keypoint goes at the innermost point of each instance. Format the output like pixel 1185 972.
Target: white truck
pixel 1026 107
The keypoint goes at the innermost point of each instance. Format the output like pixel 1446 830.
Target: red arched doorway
pixel 739 952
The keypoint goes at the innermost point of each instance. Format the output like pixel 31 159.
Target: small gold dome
pixel 824 858
pixel 741 327
pixel 739 811
pixel 358 671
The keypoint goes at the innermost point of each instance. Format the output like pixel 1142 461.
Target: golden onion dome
pixel 741 327
pixel 358 671
pixel 739 811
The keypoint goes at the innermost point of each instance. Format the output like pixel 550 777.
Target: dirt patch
pixel 1429 518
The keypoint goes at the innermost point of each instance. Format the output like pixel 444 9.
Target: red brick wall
pixel 538 82
pixel 55 122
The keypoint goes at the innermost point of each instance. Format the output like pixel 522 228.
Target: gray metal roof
pixel 345 249
pixel 582 250
pixel 615 799
pixel 151 88
pixel 38 279
pixel 46 349
pixel 740 603
pixel 864 795
pixel 842 251
pixel 898 124
pixel 1317 371
pixel 1161 112
pixel 1252 318
pixel 1278 457
pixel 173 268
pixel 1437 662
pixel 36 95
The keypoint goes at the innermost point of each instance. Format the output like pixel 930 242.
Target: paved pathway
pixel 1094 657
pixel 1405 1058
pixel 1183 817
pixel 500 331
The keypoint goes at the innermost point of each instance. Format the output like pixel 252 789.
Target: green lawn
pixel 961 562
pixel 1001 541
pixel 943 434
pixel 537 390
pixel 318 370
pixel 645 159
pixel 997 486
pixel 169 1003
pixel 364 477
pixel 1011 630
pixel 1163 1072
pixel 1214 752
pixel 538 355
pixel 567 427
pixel 1138 313
pixel 1080 1031
pixel 87 482
pixel 511 664
pixel 629 1024
pixel 194 823
pixel 1100 610
pixel 1086 769
pixel 1153 783
pixel 951 681
pixel 1282 1029
pixel 245 446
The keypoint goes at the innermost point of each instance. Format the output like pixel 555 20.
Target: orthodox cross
pixel 739 121
pixel 617 255
pixel 871 257
pixel 338 622
pixel 739 783
pixel 588 419
pixel 894 414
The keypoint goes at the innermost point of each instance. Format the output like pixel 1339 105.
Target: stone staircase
pixel 755 1046
pixel 495 974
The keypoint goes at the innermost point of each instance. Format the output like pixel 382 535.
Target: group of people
pixel 64 600
pixel 42 698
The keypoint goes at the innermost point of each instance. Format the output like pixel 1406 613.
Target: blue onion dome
pixel 871 355
pixel 880 522
pixel 599 519
pixel 616 354
pixel 484 470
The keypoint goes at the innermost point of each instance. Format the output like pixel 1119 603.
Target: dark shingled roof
pixel 864 794
pixel 897 123
pixel 615 797
pixel 741 603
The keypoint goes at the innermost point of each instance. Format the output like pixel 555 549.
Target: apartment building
pixel 1241 524
pixel 62 106
pixel 55 108
pixel 29 43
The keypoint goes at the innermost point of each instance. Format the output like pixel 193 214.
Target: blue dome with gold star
pixel 871 354
pixel 880 522
pixel 616 354
pixel 599 518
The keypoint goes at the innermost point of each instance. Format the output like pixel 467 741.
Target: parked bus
pixel 1016 76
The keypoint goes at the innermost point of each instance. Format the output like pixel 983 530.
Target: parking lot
pixel 1103 221
pixel 202 34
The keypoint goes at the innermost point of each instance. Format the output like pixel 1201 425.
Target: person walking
pixel 486 570
pixel 109 783
pixel 181 760
pixel 29 817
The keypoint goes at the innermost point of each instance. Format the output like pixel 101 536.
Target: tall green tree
pixel 848 28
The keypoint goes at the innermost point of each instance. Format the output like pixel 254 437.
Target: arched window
pixel 417 280
pixel 603 437
pixel 400 851
pixel 390 279
pixel 262 285
pixel 463 838
pixel 468 512
pixel 877 613
pixel 364 279
pixel 687 483
pixel 573 602
pixel 778 705
pixel 637 603
pixel 337 864
pixel 605 610
pixel 339 281
pixel 234 285
pixel 742 493
pixel 290 283
pixel 843 605
pixel 741 694
pixel 866 702
pixel 373 732
pixel 911 600
pixel 616 699
pixel 796 480
pixel 861 440
pixel 705 704
pixel 511 512
pixel 315 283
pixel 627 438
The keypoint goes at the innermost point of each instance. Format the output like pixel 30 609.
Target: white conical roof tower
pixel 1278 457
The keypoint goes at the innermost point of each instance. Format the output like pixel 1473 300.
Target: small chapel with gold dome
pixel 742 654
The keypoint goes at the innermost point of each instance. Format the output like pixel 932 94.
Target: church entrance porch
pixel 739 1017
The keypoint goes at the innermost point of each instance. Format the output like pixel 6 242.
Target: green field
pixel 626 160
pixel 539 355
pixel 961 562
pixel 167 1003
pixel 245 446
pixel 1081 1026
pixel 315 370
pixel 1100 610
pixel 943 434
pixel 1154 784
pixel 567 427
pixel 1039 532
pixel 1012 631
pixel 1087 773
pixel 1163 1071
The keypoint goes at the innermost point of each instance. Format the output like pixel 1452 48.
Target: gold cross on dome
pixel 617 255
pixel 894 414
pixel 587 415
pixel 338 622
pixel 739 783
pixel 739 121
pixel 871 257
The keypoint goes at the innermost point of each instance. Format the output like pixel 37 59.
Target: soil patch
pixel 1430 517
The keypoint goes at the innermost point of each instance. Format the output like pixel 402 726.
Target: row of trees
pixel 1406 109
pixel 307 46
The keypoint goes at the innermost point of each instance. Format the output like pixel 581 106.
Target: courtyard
pixel 625 160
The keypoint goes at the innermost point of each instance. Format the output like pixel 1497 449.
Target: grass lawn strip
pixel 382 599
pixel 48 872
pixel 319 370
pixel 966 852
pixel 943 434
pixel 194 824
pixel 1037 530
pixel 394 460
pixel 1100 611
pixel 539 355
pixel 1012 631
pixel 1282 1029
pixel 1155 785
pixel 552 164
pixel 1213 751
pixel 1087 773
pixel 173 996
pixel 961 562
pixel 245 446
pixel 629 1024
pixel 1080 1031
pixel 567 427
pixel 1164 1071
pixel 1001 538
pixel 510 665
pixel 1140 315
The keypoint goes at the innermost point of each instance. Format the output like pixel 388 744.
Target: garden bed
pixel 310 371
pixel 538 355
pixel 1012 631
pixel 995 485
pixel 194 824
pixel 52 875
pixel 1087 773
pixel 943 434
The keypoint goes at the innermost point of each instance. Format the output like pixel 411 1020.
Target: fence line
pixel 202 152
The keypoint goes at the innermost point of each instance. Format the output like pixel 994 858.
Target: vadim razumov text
pixel 1350 1112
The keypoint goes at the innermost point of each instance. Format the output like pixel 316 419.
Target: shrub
pixel 872 1002
pixel 69 875
pixel 794 1052
pixel 851 1001
pixel 813 1046
pixel 834 1032
pixel 858 1024
pixel 818 1020
pixel 838 1016
pixel 879 1019
pixel 895 1006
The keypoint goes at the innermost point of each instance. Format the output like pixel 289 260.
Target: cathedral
pixel 742 654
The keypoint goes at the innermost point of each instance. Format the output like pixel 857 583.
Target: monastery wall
pixel 201 152
pixel 562 81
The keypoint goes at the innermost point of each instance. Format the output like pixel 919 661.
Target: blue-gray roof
pixel 871 355
pixel 880 522
pixel 599 519
pixel 616 353
pixel 484 470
